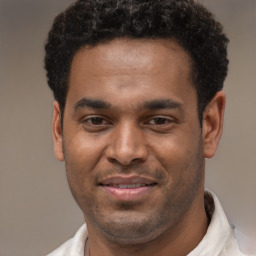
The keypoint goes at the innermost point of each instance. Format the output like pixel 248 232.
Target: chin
pixel 133 229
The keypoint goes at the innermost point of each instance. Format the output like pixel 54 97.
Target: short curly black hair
pixel 91 22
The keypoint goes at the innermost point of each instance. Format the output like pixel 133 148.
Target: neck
pixel 178 241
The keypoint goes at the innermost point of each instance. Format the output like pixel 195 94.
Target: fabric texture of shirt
pixel 219 239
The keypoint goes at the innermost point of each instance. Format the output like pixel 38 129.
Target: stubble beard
pixel 134 228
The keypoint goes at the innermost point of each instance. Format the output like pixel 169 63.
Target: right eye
pixel 95 123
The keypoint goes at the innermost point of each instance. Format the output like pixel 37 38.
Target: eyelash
pixel 96 119
pixel 98 123
pixel 166 120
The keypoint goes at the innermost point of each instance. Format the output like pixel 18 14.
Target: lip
pixel 125 179
pixel 110 186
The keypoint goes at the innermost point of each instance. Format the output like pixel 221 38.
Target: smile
pixel 127 188
pixel 124 186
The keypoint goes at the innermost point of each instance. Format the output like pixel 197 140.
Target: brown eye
pixel 96 120
pixel 96 124
pixel 159 121
pixel 160 124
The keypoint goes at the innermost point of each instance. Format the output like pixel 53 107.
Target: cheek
pixel 178 154
pixel 82 151
pixel 81 156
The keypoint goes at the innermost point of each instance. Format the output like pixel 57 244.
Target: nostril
pixel 137 160
pixel 125 163
pixel 113 160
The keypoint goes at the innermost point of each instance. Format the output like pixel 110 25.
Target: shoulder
pixel 223 236
pixel 220 239
pixel 61 251
pixel 237 247
pixel 246 243
pixel 74 246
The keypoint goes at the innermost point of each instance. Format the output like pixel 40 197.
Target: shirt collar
pixel 218 231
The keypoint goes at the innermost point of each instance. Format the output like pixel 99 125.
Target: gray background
pixel 37 212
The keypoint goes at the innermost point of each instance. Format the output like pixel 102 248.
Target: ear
pixel 57 132
pixel 212 124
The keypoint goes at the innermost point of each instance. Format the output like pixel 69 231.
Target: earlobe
pixel 212 125
pixel 57 132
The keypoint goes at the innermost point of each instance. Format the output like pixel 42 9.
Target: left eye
pixel 159 121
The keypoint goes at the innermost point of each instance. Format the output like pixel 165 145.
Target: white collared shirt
pixel 219 239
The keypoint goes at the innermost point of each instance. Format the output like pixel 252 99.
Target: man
pixel 138 107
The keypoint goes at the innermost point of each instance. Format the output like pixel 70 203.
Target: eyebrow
pixel 92 103
pixel 151 105
pixel 162 104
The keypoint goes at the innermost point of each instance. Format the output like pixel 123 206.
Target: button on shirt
pixel 219 239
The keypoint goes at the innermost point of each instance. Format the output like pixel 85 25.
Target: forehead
pixel 132 54
pixel 131 69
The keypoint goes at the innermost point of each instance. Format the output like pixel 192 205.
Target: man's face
pixel 131 138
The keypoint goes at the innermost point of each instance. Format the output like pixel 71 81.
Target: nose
pixel 127 145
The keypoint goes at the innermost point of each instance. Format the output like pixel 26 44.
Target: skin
pixel 131 109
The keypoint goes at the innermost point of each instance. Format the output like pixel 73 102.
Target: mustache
pixel 155 174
